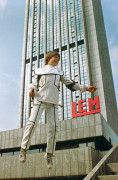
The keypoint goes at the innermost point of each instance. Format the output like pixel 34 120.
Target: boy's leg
pixel 52 114
pixel 36 113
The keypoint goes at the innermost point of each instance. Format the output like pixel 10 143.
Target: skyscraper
pixel 74 28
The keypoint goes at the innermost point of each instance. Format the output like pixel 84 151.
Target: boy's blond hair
pixel 49 55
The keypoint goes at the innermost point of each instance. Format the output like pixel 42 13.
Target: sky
pixel 12 14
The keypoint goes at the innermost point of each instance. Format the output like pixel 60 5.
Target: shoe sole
pixel 49 167
pixel 22 161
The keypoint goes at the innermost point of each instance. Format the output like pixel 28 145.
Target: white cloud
pixel 114 53
pixel 113 50
pixel 3 3
pixel 111 41
pixel 114 60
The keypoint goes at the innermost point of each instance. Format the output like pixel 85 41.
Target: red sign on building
pixel 83 112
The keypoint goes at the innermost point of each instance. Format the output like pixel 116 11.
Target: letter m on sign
pixel 94 102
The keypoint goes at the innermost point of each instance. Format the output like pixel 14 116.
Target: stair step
pixel 108 177
pixel 112 167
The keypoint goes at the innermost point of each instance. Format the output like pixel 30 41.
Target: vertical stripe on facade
pixel 76 45
pixel 68 52
pixel 45 34
pixel 86 47
pixel 21 106
pixel 52 19
pixel 60 52
pixel 38 32
pixel 31 54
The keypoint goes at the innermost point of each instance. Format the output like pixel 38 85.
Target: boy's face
pixel 54 60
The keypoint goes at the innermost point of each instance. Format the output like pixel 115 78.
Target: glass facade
pixel 35 30
pixel 29 34
pixel 49 26
pixel 59 24
pixel 63 23
pixel 42 27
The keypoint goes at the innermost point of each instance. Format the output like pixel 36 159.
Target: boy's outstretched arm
pixel 75 86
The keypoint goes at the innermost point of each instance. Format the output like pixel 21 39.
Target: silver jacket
pixel 46 87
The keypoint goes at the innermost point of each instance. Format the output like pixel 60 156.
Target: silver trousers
pixel 52 121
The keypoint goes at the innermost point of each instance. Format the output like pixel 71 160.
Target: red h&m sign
pixel 83 112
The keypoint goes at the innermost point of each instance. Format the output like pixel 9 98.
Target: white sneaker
pixel 22 155
pixel 49 160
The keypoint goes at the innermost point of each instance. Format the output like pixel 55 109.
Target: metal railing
pixel 100 168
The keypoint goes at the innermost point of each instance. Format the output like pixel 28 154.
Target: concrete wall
pixel 78 161
pixel 77 128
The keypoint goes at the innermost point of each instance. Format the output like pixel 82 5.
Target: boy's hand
pixel 91 89
pixel 31 93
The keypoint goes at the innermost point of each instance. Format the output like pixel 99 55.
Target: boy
pixel 45 91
